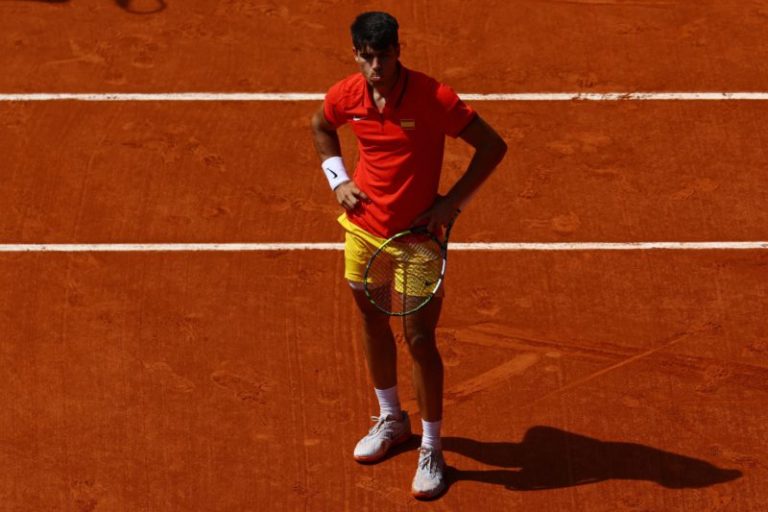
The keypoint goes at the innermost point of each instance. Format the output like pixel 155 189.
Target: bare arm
pixel 490 149
pixel 327 145
pixel 325 137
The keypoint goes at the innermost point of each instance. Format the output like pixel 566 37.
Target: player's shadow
pixel 142 7
pixel 550 458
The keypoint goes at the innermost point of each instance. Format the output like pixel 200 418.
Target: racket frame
pixel 418 230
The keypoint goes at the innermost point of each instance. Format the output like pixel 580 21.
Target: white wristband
pixel 335 172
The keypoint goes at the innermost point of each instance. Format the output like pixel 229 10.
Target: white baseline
pixel 474 246
pixel 306 96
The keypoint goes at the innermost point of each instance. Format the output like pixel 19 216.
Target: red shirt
pixel 401 148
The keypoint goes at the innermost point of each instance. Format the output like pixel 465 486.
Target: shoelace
pixel 380 421
pixel 429 461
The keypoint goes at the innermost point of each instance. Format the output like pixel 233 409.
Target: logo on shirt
pixel 408 124
pixel 358 118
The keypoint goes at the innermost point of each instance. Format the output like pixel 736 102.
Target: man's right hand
pixel 349 196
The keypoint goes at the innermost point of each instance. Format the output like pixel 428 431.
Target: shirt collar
pixel 395 97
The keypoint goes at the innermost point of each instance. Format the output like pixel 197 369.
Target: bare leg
pixel 378 342
pixel 427 363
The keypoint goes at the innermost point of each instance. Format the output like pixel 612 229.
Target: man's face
pixel 379 67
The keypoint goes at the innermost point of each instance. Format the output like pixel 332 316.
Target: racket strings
pixel 404 275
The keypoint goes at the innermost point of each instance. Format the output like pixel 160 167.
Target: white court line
pixel 211 96
pixel 304 96
pixel 475 246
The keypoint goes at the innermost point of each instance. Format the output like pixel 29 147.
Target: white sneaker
pixel 385 433
pixel 430 475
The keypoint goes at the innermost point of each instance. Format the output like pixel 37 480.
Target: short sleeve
pixel 331 108
pixel 455 113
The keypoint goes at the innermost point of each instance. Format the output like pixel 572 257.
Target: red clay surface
pixel 202 172
pixel 582 381
pixel 206 382
pixel 487 46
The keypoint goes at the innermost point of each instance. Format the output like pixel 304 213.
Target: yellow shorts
pixel 359 246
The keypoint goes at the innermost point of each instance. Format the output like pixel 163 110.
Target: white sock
pixel 389 403
pixel 431 434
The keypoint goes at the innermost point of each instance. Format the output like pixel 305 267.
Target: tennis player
pixel 400 118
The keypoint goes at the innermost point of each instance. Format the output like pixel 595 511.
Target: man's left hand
pixel 440 214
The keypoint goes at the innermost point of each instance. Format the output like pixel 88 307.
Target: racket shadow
pixel 142 8
pixel 550 458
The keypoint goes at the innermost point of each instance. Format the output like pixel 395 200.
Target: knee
pixel 422 346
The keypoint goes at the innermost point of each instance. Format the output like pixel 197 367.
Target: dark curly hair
pixel 375 30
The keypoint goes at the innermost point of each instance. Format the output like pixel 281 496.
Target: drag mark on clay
pixel 672 340
pixel 246 390
pixel 516 366
pixel 164 373
pixel 500 336
pixel 394 495
pixel 714 376
pixel 493 377
pixel 86 494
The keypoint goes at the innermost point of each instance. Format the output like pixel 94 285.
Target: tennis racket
pixel 407 270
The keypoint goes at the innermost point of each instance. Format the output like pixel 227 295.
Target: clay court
pixel 577 378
